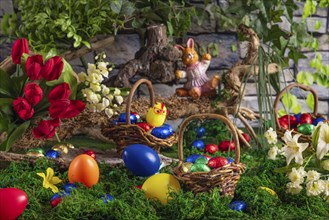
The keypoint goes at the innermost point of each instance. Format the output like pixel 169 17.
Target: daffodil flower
pixel 292 148
pixel 49 180
pixel 323 142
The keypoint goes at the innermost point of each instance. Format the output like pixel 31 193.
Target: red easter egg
pixel 283 121
pixel 90 153
pixel 226 145
pixel 144 126
pixel 207 156
pixel 287 120
pixel 55 202
pixel 217 162
pixel 211 148
pixel 305 118
pixel 246 137
pixel 13 202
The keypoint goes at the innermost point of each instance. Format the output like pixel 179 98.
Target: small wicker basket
pixel 124 134
pixel 225 178
pixel 280 130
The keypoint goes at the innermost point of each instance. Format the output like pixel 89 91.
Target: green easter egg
pixel 200 168
pixel 38 150
pixel 201 160
pixel 306 129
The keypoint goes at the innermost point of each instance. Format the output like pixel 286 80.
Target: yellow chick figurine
pixel 156 115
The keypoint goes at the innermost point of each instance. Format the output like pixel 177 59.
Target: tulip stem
pixel 84 63
pixel 57 137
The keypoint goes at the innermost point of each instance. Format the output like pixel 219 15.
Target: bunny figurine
pixel 198 84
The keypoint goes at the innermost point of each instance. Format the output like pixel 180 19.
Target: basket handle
pixel 301 86
pixel 202 117
pixel 132 92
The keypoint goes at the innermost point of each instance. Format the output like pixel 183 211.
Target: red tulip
pixel 46 128
pixel 33 67
pixel 53 68
pixel 33 93
pixel 20 46
pixel 62 91
pixel 64 108
pixel 23 108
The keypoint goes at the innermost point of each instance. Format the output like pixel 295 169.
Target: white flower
pixel 325 164
pixel 91 68
pixel 326 187
pixel 109 112
pixel 105 90
pixel 272 153
pixel 94 77
pixel 110 97
pixel 82 77
pixel 95 87
pixel 312 175
pixel 293 149
pixel 116 91
pixel 103 69
pixel 105 102
pixel 297 175
pixel 119 99
pixel 294 188
pixel 271 136
pixel 314 188
pixel 323 142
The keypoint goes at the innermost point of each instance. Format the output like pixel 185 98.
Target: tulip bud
pixel 53 68
pixel 33 67
pixel 33 93
pixel 20 46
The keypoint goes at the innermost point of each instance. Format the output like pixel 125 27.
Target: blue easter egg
pixel 141 160
pixel 297 116
pixel 198 144
pixel 161 132
pixel 52 154
pixel 59 195
pixel 230 160
pixel 238 206
pixel 122 118
pixel 200 132
pixel 68 187
pixel 317 121
pixel 171 130
pixel 107 198
pixel 193 157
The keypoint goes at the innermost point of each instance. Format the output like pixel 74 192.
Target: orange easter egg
pixel 84 169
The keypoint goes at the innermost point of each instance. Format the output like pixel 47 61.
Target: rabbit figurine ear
pixel 179 47
pixel 190 43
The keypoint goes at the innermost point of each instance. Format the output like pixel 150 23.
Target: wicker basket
pixel 225 178
pixel 126 133
pixel 280 131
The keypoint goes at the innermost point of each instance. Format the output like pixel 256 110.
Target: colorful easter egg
pixel 288 121
pixel 122 118
pixel 297 116
pixel 305 118
pixel 68 187
pixel 246 137
pixel 159 185
pixel 306 129
pixel 52 154
pixel 238 206
pixel 217 162
pixel 55 202
pixel 13 202
pixel 201 160
pixel 198 144
pixel 198 167
pixel 161 132
pixel 226 146
pixel 200 132
pixel 192 158
pixel 271 191
pixel 171 130
pixel 107 198
pixel 90 153
pixel 211 148
pixel 61 148
pixel 146 127
pixel 141 160
pixel 186 167
pixel 84 169
pixel 230 160
pixel 318 120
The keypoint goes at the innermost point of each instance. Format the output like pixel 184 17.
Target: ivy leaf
pixel 296 109
pixel 309 8
pixel 310 101
pixel 317 25
pixel 290 101
pixel 282 112
pixel 116 6
pixel 305 78
pixel 296 55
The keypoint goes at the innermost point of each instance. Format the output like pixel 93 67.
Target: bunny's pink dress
pixel 196 76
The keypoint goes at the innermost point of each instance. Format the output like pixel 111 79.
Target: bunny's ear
pixel 179 47
pixel 190 43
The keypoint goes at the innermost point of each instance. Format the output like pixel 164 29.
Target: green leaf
pixel 309 8
pixel 310 101
pixel 116 6
pixel 51 53
pixel 290 101
pixel 14 136
pixel 296 109
pixel 6 84
pixel 86 43
pixel 317 25
pixel 282 112
pixel 170 28
pixel 305 78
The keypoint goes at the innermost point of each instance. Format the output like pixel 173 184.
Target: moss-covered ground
pixel 130 202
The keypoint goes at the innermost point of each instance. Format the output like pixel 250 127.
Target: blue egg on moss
pixel 297 116
pixel 122 118
pixel 200 132
pixel 230 160
pixel 107 198
pixel 193 157
pixel 161 132
pixel 52 154
pixel 317 121
pixel 238 206
pixel 198 144
pixel 68 187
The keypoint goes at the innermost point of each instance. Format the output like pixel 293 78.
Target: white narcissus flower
pixel 294 188
pixel 271 136
pixel 314 188
pixel 323 142
pixel 272 153
pixel 293 149
pixel 119 99
pixel 109 112
pixel 82 77
pixel 312 175
pixel 297 175
pixel 116 91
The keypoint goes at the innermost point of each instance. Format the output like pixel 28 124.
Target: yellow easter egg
pixel 272 192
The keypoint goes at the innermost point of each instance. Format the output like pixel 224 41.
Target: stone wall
pixel 126 45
